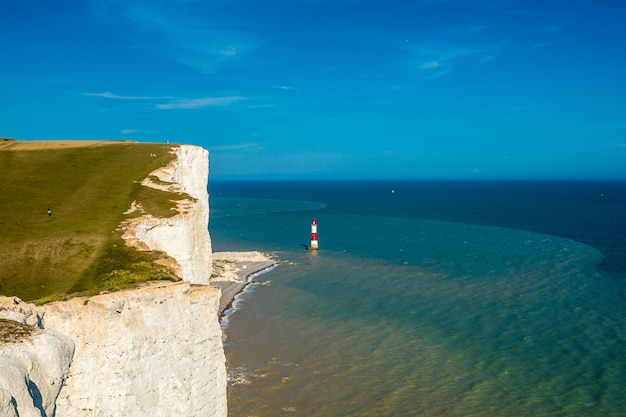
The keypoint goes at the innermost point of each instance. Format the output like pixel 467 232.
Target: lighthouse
pixel 313 236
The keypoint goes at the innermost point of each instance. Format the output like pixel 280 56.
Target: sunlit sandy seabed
pixel 412 317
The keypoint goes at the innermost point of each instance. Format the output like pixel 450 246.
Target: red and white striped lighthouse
pixel 313 236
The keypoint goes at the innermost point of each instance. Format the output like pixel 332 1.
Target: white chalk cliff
pixel 155 350
pixel 181 237
pixel 32 369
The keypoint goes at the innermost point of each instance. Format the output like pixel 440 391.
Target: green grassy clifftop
pixel 77 248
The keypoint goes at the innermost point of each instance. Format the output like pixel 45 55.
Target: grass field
pixel 76 249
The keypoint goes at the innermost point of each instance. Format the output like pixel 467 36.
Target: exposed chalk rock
pixel 13 308
pixel 151 351
pixel 155 350
pixel 182 237
pixel 32 373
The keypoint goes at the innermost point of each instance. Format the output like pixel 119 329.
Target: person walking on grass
pixel 49 212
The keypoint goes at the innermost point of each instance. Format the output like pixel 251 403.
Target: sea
pixel 427 298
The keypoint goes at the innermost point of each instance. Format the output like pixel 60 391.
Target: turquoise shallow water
pixel 406 315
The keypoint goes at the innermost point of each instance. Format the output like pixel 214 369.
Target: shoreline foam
pixel 233 272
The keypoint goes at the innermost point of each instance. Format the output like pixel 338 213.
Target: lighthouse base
pixel 312 248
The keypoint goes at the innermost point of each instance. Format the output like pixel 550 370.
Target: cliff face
pixel 32 374
pixel 180 236
pixel 153 351
pixel 33 364
pixel 150 351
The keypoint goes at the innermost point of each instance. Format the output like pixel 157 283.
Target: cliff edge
pixel 181 236
pixel 155 350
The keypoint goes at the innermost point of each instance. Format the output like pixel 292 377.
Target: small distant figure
pixel 49 212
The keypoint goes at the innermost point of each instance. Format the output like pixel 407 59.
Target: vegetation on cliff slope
pixel 77 248
pixel 13 331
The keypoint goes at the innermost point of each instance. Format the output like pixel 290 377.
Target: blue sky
pixel 329 88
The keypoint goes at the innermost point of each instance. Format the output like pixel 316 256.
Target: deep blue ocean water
pixel 428 298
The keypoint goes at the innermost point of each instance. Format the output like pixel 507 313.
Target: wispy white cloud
pixel 228 51
pixel 437 59
pixel 174 102
pixel 431 64
pixel 199 102
pixel 187 32
pixel 235 147
pixel 449 48
pixel 285 87
pixel 129 131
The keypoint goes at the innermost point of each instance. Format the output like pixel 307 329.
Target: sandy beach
pixel 232 271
